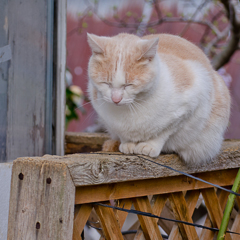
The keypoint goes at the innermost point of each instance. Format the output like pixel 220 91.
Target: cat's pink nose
pixel 116 99
pixel 116 95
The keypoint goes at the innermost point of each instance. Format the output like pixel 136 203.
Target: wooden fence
pixel 53 197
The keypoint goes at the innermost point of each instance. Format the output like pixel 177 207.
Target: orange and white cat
pixel 158 93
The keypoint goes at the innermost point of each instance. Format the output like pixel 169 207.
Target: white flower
pixel 78 96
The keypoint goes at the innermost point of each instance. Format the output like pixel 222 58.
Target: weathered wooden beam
pixel 103 168
pixel 84 142
pixel 131 189
pixel 41 201
pixel 43 188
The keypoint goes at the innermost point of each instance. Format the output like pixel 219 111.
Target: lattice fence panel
pixel 177 205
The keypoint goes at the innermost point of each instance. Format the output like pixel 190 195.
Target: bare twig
pixel 225 55
pixel 199 8
pixel 221 36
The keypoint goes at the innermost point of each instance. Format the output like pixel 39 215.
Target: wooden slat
pixel 81 216
pixel 148 224
pixel 214 208
pixel 206 234
pixel 93 169
pixel 180 209
pixel 109 222
pixel 191 200
pixel 167 213
pixel 84 142
pixel 157 203
pixel 26 135
pixel 175 233
pixel 3 81
pixel 120 190
pixel 41 201
pixel 101 168
pixel 121 215
pixel 236 227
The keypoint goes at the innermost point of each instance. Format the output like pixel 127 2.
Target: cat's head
pixel 123 66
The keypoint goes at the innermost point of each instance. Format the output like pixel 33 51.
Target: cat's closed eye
pixel 127 85
pixel 106 83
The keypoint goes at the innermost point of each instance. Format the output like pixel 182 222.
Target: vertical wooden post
pixel 41 200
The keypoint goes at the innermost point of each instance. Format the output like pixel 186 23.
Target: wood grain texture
pixel 81 215
pixel 61 51
pixel 91 169
pixel 41 201
pixel 191 201
pixel 214 208
pixel 157 203
pixel 104 168
pixel 84 142
pixel 3 80
pixel 236 227
pixel 120 215
pixel 206 234
pixel 109 222
pixel 27 34
pixel 149 225
pixel 130 189
pixel 181 212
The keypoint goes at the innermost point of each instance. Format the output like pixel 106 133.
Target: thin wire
pixel 162 218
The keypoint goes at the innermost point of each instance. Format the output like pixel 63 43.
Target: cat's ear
pixel 149 48
pixel 96 43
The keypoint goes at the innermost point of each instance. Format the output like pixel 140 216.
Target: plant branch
pixel 199 8
pixel 225 55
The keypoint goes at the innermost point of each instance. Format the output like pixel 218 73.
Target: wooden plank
pixel 206 234
pixel 214 208
pixel 236 227
pixel 27 32
pixel 60 60
pixel 148 224
pixel 81 216
pixel 121 216
pixel 130 189
pixel 157 203
pixel 109 222
pixel 3 80
pixel 191 201
pixel 84 142
pixel 41 201
pixel 105 168
pixel 91 169
pixel 181 212
pixel 167 213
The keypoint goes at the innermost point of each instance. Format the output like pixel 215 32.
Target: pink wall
pixel 78 54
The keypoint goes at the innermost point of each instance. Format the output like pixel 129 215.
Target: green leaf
pixel 169 14
pixel 84 25
pixel 129 14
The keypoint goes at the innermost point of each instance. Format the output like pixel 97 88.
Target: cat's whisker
pixel 87 103
pixel 139 106
pixel 133 108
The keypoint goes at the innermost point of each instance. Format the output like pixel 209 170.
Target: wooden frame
pixel 45 189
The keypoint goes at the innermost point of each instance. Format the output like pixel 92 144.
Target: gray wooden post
pixel 41 200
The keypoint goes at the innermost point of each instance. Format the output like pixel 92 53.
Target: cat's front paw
pixel 127 148
pixel 147 149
